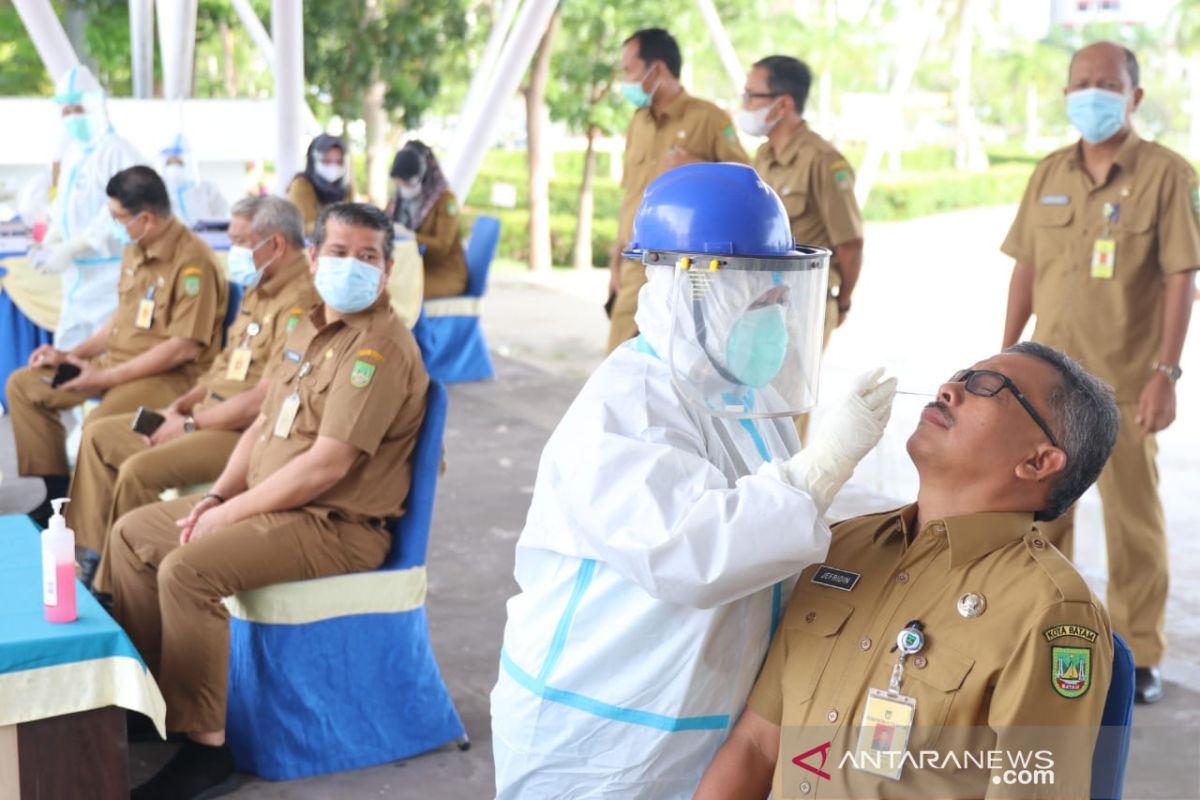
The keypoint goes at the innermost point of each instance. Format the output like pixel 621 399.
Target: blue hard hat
pixel 718 209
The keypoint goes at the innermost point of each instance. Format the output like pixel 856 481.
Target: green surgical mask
pixel 757 346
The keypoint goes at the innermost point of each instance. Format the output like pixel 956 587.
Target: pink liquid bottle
pixel 58 567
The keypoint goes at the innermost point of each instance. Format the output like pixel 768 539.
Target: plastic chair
pixel 338 673
pixel 231 311
pixel 449 331
pixel 1116 724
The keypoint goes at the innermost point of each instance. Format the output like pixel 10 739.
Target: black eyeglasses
pixel 748 96
pixel 989 383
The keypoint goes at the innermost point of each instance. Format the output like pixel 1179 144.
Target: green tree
pixel 381 61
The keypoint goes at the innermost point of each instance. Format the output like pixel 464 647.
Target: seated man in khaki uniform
pixel 999 643
pixel 308 492
pixel 119 469
pixel 165 333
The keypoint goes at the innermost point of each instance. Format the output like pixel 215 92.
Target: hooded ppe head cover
pixel 740 309
pixel 79 87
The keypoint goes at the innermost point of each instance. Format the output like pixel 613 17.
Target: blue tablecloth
pixel 51 669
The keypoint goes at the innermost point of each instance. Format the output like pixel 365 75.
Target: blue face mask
pixel 347 284
pixel 79 127
pixel 121 234
pixel 242 269
pixel 1097 114
pixel 634 93
pixel 757 346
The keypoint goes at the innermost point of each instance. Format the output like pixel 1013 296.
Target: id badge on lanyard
pixel 290 406
pixel 145 311
pixel 888 715
pixel 1104 250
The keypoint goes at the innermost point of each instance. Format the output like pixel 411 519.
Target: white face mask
pixel 330 172
pixel 408 190
pixel 754 123
pixel 174 173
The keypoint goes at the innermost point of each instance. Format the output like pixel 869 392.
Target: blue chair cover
pixel 351 691
pixel 1116 724
pixel 452 345
pixel 235 302
pixel 19 337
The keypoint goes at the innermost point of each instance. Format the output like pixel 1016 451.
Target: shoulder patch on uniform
pixel 841 163
pixel 843 179
pixel 1071 671
pixel 367 352
pixel 191 285
pixel 730 133
pixel 192 271
pixel 452 208
pixel 1078 631
pixel 1196 200
pixel 361 374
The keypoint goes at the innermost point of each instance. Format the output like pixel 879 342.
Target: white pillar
pixel 48 36
pixel 177 43
pixel 141 45
pixel 478 129
pixel 485 73
pixel 287 30
pixel 720 37
pixel 262 40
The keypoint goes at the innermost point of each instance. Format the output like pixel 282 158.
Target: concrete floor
pixel 922 311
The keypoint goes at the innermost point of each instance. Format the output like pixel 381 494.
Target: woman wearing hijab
pixel 424 204
pixel 325 179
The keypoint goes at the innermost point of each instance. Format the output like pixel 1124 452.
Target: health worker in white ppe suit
pixel 80 242
pixel 672 509
pixel 192 198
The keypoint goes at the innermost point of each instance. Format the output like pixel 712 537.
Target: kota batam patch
pixel 1071 671
pixel 360 376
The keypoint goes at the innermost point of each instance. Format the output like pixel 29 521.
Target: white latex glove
pixel 51 261
pixel 847 434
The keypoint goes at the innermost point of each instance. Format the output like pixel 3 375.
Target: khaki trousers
pixel 117 472
pixel 168 596
pixel 40 436
pixel 1136 534
pixel 622 326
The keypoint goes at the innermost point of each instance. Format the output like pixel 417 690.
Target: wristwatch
pixel 1174 373
pixel 189 424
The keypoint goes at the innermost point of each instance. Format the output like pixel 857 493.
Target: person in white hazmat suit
pixel 80 243
pixel 672 508
pixel 192 198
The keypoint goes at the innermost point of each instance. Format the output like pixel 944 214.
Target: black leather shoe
pixel 196 772
pixel 1148 685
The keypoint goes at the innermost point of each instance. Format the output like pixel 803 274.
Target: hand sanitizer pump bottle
pixel 58 567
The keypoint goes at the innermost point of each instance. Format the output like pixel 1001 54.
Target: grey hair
pixel 269 215
pixel 1084 416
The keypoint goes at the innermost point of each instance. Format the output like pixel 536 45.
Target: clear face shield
pixel 747 332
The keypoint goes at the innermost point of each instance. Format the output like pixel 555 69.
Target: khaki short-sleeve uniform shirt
pixel 361 381
pixel 172 288
pixel 1148 207
pixel 689 123
pixel 1018 653
pixel 816 185
pixel 267 315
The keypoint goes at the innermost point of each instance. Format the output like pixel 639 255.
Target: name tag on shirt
pixel 1104 259
pixel 836 578
pixel 287 416
pixel 239 365
pixel 1055 200
pixel 145 315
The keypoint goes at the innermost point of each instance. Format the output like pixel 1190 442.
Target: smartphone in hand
pixel 146 421
pixel 64 372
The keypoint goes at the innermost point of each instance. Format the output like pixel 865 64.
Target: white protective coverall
pixel 79 241
pixel 657 556
pixel 192 198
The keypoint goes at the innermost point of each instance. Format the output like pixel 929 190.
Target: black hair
pixel 140 189
pixel 359 215
pixel 655 44
pixel 787 76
